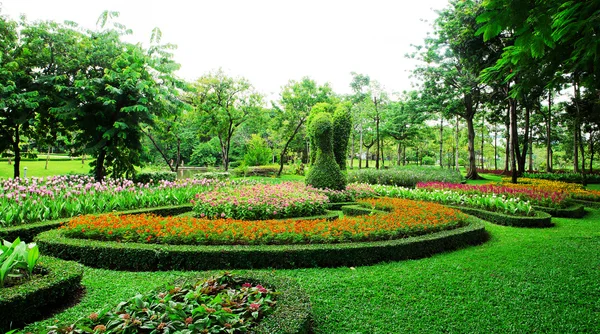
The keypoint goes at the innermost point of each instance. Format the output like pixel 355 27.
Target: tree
pixel 223 103
pixel 295 103
pixel 455 58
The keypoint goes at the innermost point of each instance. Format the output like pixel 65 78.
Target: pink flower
pixel 254 306
pixel 246 285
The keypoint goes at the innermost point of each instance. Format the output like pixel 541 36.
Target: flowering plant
pixel 260 201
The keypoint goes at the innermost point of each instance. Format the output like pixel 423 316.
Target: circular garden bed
pixel 409 230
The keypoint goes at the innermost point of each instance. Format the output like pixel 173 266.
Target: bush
pixel 148 257
pixel 405 176
pixel 540 219
pixel 428 161
pixel 258 152
pixel 154 177
pixel 17 261
pixel 212 175
pixel 206 154
pixel 325 173
pixel 573 211
pixel 56 282
pixel 564 177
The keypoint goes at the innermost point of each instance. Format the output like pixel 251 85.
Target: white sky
pixel 267 41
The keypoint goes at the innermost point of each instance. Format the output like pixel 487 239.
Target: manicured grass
pixel 521 280
pixel 487 178
pixel 37 168
pixel 273 179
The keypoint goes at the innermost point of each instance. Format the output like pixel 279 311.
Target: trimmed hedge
pixel 146 257
pixel 28 231
pixel 574 211
pixel 27 302
pixel 588 204
pixel 541 219
pixel 358 210
pixel 338 205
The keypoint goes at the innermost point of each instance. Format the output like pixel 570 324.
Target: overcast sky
pixel 267 41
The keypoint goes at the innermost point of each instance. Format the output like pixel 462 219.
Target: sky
pixel 269 42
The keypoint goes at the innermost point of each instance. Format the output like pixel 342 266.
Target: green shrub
pixel 325 173
pixel 154 177
pixel 428 161
pixel 540 219
pixel 258 153
pixel 342 126
pixel 207 153
pixel 564 177
pixel 148 257
pixel 212 175
pixel 405 176
pixel 54 284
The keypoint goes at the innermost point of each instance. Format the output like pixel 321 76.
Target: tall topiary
pixel 342 125
pixel 325 172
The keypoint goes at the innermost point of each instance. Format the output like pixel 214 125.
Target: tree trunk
pixel 522 155
pixel 367 160
pixel 591 153
pixel 403 155
pixel 382 155
pixel 578 131
pixel 378 146
pixel 99 168
pixel 17 152
pixel 548 134
pixel 513 138
pixel 530 154
pixel 352 155
pixel 576 147
pixel 47 158
pixel 285 147
pixel 442 141
pixel 360 154
pixel 399 154
pixel 507 153
pixel 472 172
pixel 482 139
pixel 160 151
pixel 495 148
pixel 456 143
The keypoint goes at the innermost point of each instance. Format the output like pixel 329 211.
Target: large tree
pixel 223 103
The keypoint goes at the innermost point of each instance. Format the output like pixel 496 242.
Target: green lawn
pixel 37 168
pixel 521 280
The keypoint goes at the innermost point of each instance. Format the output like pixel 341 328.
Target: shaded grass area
pixel 37 168
pixel 522 280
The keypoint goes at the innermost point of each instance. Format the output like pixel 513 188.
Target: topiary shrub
pixel 325 173
pixel 342 125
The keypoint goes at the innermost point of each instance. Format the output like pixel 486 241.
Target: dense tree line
pixel 491 88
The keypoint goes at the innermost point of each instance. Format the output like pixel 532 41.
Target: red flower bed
pixel 406 218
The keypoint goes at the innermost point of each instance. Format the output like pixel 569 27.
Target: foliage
pixel 224 304
pixel 31 200
pixel 17 260
pixel 352 192
pixel 257 153
pixel 404 177
pixel 261 201
pixel 206 153
pixel 564 177
pixel 325 173
pixel 154 177
pixel 490 202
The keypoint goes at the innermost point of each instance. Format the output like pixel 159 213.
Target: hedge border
pixel 338 205
pixel 28 302
pixel 27 232
pixel 357 210
pixel 589 204
pixel 573 211
pixel 541 219
pixel 146 257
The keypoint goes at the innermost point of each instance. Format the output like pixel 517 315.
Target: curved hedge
pixel 588 204
pixel 145 257
pixel 27 232
pixel 29 301
pixel 574 211
pixel 541 219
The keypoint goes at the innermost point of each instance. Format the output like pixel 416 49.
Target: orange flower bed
pixel 406 218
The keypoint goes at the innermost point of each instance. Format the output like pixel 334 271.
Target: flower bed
pixel 575 191
pixel 535 195
pixel 489 202
pixel 353 192
pixel 260 201
pixel 223 304
pixel 406 218
pixel 38 199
